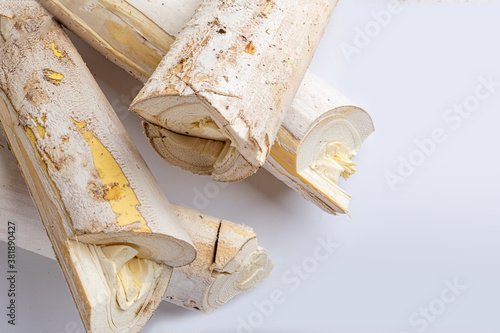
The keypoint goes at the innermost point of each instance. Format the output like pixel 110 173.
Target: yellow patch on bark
pixel 53 77
pixel 119 194
pixel 41 130
pixel 56 51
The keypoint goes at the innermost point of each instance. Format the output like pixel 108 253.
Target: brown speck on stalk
pixel 56 160
pixel 250 48
pixel 96 192
pixel 34 91
pixel 268 6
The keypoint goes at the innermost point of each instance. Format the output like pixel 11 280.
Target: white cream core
pixel 335 161
pixel 130 276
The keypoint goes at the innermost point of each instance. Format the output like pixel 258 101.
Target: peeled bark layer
pixel 232 74
pixel 229 260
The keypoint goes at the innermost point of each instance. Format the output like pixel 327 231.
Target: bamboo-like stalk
pixel 232 74
pixel 317 143
pixel 229 260
pixel 54 113
pixel 110 226
pixel 195 153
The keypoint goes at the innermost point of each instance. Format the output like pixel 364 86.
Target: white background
pixel 398 247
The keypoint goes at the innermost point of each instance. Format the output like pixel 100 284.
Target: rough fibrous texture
pixel 90 184
pixel 54 110
pixel 229 260
pixel 119 30
pixel 235 64
pixel 197 153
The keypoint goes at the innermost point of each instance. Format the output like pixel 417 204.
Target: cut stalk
pixel 195 152
pixel 317 143
pixel 231 75
pixel 229 260
pixel 109 223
